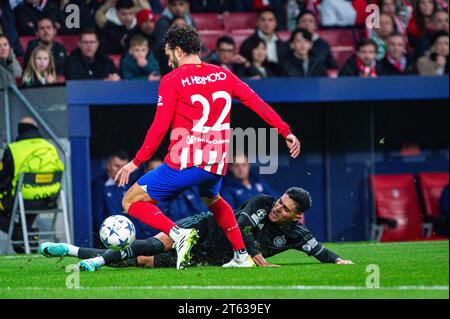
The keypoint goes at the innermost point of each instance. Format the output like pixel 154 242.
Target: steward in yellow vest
pixel 29 153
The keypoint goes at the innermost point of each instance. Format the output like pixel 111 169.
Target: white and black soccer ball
pixel 117 232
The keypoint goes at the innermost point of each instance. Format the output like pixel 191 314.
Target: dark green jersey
pixel 261 236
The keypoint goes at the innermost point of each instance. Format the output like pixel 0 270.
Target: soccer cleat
pixel 54 249
pixel 89 265
pixel 188 238
pixel 247 263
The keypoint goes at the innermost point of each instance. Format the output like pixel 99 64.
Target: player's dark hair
pixel 120 154
pixel 304 13
pixel 124 4
pixel 184 37
pixel 301 197
pixel 225 39
pixel 305 34
pixel 365 42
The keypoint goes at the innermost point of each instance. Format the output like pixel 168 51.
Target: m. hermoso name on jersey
pixel 203 80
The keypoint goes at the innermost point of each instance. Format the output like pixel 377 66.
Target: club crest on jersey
pixel 279 241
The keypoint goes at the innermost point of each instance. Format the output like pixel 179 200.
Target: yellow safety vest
pixel 35 155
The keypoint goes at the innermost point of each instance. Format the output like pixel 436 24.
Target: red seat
pixel 284 35
pixel 209 38
pixel 338 37
pixel 239 36
pixel 431 186
pixel 396 199
pixel 207 21
pixel 70 42
pixel 342 54
pixel 24 41
pixel 240 20
pixel 116 59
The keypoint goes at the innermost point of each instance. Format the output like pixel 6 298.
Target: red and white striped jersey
pixel 195 101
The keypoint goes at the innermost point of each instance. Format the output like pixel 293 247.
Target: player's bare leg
pixel 140 205
pixel 224 216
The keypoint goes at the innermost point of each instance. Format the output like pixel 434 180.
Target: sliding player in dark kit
pixel 269 227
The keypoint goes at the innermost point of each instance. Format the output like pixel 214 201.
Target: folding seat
pixel 397 208
pixel 284 35
pixel 339 37
pixel 239 36
pixel 240 21
pixel 207 21
pixel 431 186
pixel 70 42
pixel 209 38
pixel 116 59
pixel 342 54
pixel 24 41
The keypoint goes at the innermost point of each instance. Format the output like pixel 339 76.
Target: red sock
pixel 224 216
pixel 151 215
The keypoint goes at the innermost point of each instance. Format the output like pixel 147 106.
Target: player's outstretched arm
pixel 249 98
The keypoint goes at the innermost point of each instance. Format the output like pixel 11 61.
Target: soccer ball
pixel 117 232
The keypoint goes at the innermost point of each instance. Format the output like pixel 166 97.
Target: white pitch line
pixel 443 288
pixel 21 256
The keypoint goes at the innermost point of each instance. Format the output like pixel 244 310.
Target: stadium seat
pixel 239 36
pixel 207 21
pixel 342 54
pixel 397 208
pixel 284 35
pixel 70 42
pixel 240 21
pixel 24 41
pixel 339 37
pixel 116 59
pixel 209 38
pixel 431 186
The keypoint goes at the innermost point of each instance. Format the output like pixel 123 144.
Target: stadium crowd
pixel 122 39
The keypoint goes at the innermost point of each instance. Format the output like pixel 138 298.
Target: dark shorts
pixel 212 248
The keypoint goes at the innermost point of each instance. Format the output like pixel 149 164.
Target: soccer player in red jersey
pixel 195 100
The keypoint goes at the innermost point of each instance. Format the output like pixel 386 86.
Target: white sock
pixel 175 233
pixel 241 255
pixel 73 250
pixel 99 260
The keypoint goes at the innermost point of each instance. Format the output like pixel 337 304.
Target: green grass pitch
pixel 407 270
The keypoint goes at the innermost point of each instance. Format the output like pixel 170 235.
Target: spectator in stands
pixel 321 49
pixel 241 183
pixel 108 10
pixel 266 31
pixel 380 35
pixel 146 22
pixel 420 23
pixel 226 55
pixel 176 8
pixel 363 63
pixel 139 62
pixel 8 27
pixel 392 9
pixel 397 60
pixel 435 62
pixel 9 66
pixel 295 8
pixel 439 22
pixel 106 196
pixel 216 6
pixel 29 153
pixel 299 62
pixel 120 21
pixel 87 62
pixel 337 13
pixel 258 65
pixel 46 33
pixel 29 11
pixel 40 69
